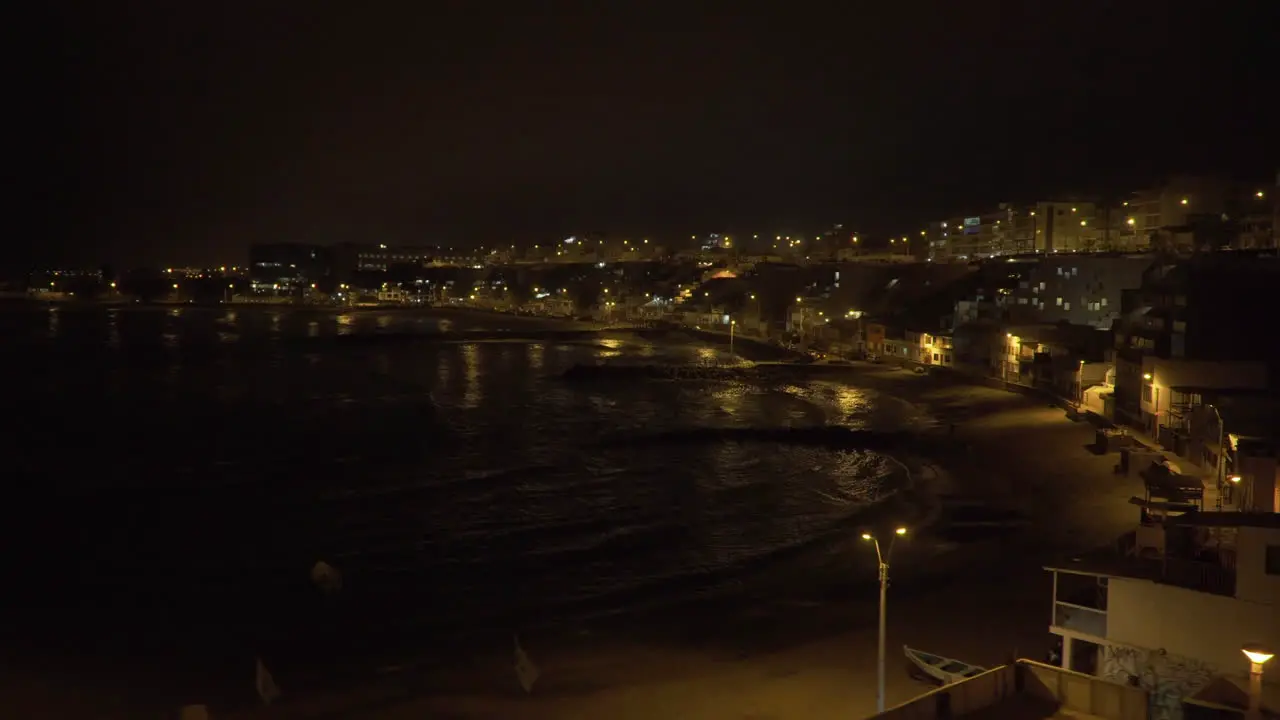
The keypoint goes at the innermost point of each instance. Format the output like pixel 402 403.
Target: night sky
pixel 185 131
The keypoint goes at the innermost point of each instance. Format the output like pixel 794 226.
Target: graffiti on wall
pixel 1168 678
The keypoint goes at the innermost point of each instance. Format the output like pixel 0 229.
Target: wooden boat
pixel 939 669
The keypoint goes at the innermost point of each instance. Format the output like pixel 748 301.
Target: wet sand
pixel 813 654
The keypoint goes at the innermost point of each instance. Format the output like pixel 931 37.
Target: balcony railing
pixel 1202 576
pixel 1080 619
pixel 1217 577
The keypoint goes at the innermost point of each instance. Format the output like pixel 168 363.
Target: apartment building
pixel 1207 308
pixel 1081 289
pixel 1201 213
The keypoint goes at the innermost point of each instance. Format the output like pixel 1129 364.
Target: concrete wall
pixel 967 696
pixel 1203 627
pixel 1029 682
pixel 1253 584
pixel 1084 694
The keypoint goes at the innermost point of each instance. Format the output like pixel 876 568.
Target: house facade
pixel 1171 611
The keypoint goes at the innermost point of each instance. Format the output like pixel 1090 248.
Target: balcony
pixel 1203 572
pixel 1202 576
pixel 1080 619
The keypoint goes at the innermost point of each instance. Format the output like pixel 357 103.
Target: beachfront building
pixel 1195 310
pixel 1184 403
pixel 1050 357
pixel 928 348
pixel 1170 610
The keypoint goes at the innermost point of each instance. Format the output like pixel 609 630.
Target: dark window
pixel 1273 559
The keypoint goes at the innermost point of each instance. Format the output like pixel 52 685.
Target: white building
pixel 1172 611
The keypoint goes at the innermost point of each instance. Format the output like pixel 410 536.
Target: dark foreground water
pixel 185 468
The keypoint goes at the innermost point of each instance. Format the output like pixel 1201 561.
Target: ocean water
pixel 186 467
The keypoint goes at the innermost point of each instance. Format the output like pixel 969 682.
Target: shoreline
pixel 799 656
pixel 799 651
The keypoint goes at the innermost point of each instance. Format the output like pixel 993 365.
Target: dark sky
pixel 185 131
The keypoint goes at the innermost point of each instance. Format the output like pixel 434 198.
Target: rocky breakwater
pixel 701 371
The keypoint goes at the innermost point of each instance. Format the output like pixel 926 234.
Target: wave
pixel 823 436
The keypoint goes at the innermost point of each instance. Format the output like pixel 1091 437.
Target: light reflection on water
pixel 639 510
pixel 346 324
pixel 113 329
pixel 471 361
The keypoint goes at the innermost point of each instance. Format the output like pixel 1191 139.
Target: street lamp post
pixel 882 557
pixel 1258 656
pixel 1222 459
pixel 731 324
pixel 1080 385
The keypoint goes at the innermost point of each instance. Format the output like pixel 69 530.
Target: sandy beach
pixel 983 600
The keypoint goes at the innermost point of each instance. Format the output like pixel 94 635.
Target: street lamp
pixel 1258 656
pixel 1080 385
pixel 882 556
pixel 732 323
pixel 1222 458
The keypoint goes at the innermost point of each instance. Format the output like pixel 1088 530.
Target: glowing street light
pixel 1258 656
pixel 882 556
